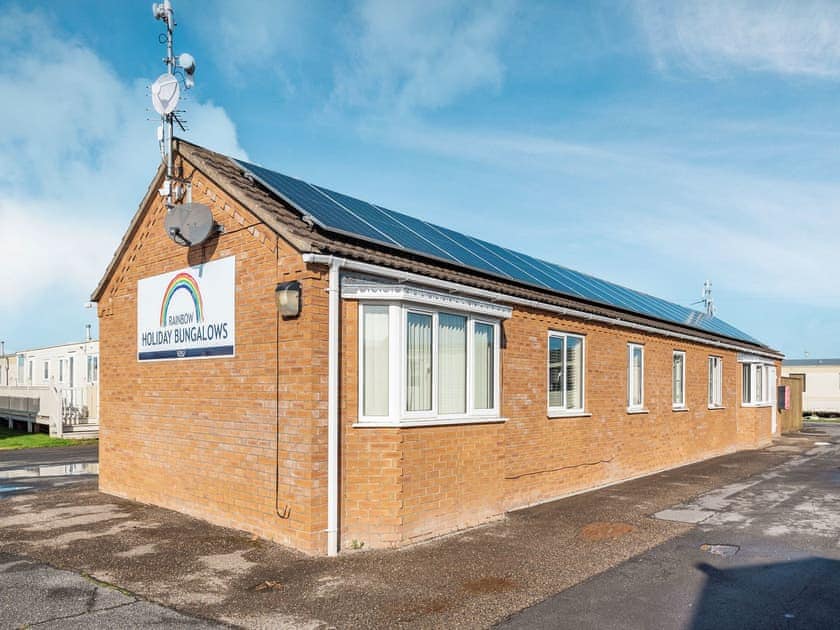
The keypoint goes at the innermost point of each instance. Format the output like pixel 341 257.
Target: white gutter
pixel 407 276
pixel 334 292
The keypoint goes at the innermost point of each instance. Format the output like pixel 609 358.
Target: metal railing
pixel 79 405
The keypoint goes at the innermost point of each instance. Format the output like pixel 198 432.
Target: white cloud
pixel 77 150
pixel 791 37
pixel 258 36
pixel 406 56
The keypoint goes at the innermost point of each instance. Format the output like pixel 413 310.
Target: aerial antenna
pixel 187 224
pixel 166 93
pixel 707 301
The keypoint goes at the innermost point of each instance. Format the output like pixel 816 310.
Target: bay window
pixel 565 374
pixel 424 365
pixel 715 382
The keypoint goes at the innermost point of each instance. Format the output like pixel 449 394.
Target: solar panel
pixel 341 213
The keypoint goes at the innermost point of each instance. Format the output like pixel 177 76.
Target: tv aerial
pixel 188 223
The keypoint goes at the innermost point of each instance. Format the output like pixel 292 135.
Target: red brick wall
pixel 402 485
pixel 200 436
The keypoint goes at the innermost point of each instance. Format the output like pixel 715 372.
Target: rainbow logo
pixel 186 282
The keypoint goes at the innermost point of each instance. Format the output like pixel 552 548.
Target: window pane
pixel 555 371
pixel 679 387
pixel 483 366
pixel 574 373
pixel 759 386
pixel 636 376
pixel 746 388
pixel 452 363
pixel 419 362
pixel 375 356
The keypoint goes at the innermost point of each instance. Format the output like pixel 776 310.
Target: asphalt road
pixel 34 594
pixel 765 554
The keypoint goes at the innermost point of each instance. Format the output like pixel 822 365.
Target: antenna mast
pixel 708 302
pixel 166 92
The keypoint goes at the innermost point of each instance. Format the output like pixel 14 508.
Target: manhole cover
pixel 726 551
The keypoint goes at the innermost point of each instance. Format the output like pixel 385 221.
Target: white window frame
pixel 46 371
pixel 684 404
pixel 757 399
pixel 398 374
pixel 559 412
pixel 640 407
pixel 715 382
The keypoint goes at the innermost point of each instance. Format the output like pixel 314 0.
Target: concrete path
pixel 765 554
pixel 34 595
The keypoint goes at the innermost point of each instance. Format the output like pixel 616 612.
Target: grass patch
pixel 20 439
pixel 821 419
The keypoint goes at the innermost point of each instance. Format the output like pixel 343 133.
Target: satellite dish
pixel 189 224
pixel 165 94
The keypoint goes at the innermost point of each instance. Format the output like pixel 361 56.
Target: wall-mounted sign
pixel 187 314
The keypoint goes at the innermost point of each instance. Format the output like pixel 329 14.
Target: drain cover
pixel 726 551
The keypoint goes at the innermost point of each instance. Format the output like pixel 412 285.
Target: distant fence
pixel 791 419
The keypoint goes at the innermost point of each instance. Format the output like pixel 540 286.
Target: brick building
pixel 430 381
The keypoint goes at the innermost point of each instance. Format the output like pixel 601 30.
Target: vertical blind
pixel 419 362
pixel 375 357
pixel 483 368
pixel 679 386
pixel 574 373
pixel 555 372
pixel 452 364
pixel 635 376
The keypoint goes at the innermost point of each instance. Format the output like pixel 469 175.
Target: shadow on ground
pixel 804 593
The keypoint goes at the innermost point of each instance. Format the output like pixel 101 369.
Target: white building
pixel 55 387
pixel 821 386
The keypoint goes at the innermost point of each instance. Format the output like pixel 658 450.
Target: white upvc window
pixel 715 382
pixel 566 360
pixel 93 368
pixel 46 371
pixel 421 365
pixel 61 370
pixel 635 377
pixel 755 384
pixel 678 380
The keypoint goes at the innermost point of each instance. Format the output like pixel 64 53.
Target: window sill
pixel 679 408
pixel 569 414
pixel 429 422
pixel 715 407
pixel 757 405
pixel 639 410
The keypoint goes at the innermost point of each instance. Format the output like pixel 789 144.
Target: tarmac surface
pixel 765 554
pixel 472 579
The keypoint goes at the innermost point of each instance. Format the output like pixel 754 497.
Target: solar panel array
pixel 340 213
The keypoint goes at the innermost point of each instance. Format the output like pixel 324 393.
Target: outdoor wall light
pixel 288 299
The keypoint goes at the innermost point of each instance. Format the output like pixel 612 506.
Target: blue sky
pixel 655 144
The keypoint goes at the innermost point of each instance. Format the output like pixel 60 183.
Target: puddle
pixel 62 470
pixel 4 489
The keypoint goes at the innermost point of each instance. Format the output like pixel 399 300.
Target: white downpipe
pixel 407 276
pixel 334 290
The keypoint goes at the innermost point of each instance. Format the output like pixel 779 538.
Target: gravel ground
pixel 468 580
